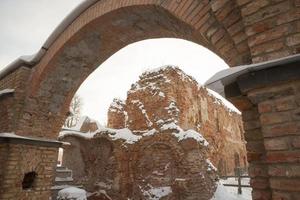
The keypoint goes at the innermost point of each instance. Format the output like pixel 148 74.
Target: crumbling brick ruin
pixel 155 145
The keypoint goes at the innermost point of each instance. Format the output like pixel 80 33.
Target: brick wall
pixel 125 170
pixel 279 111
pixel 11 105
pixel 272 28
pixel 19 159
pixel 240 32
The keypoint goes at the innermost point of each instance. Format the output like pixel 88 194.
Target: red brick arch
pixel 239 31
pixel 104 28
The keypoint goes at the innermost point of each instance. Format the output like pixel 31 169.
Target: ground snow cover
pixel 72 193
pixel 230 193
pixel 156 193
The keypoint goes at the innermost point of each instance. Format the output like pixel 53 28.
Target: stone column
pixel 269 99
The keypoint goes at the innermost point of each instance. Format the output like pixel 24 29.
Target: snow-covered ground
pixel 222 192
pixel 230 193
pixel 72 193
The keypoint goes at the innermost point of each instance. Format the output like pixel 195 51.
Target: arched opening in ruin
pixel 82 49
pixel 89 41
pixel 240 32
pixel 147 172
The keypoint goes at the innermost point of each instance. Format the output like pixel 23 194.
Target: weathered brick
pixel 275 118
pixel 269 11
pixel 239 37
pixel 255 157
pixel 225 11
pixel 253 7
pixel 271 93
pixel 271 56
pixel 296 142
pixel 291 185
pixel 218 35
pixel 259 183
pixel 217 4
pixel 283 156
pixel 288 128
pixel 296 114
pixel 235 28
pixel 243 2
pixel 293 39
pixel 284 170
pixel 232 18
pixel 278 143
pixel 255 146
pixel 271 34
pixel 253 135
pixel 276 195
pixel 265 107
pixel 261 194
pixel 267 47
pixel 258 170
pixel 252 124
pixel 284 104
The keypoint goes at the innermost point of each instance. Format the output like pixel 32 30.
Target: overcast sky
pixel 26 24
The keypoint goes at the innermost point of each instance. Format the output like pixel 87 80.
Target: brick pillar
pixel 256 153
pixel 269 99
pixel 279 116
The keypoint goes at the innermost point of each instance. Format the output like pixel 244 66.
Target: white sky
pixel 26 24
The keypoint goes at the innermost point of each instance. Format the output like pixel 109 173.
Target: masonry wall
pixel 19 159
pixel 125 170
pixel 279 111
pixel 167 96
pixel 11 105
pixel 241 32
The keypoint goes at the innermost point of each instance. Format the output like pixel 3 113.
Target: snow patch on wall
pixel 182 134
pixel 143 110
pixel 211 167
pixel 222 101
pixel 125 134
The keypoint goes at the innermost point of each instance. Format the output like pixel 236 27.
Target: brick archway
pixel 239 31
pixel 100 31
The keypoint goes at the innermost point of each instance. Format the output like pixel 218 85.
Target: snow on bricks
pixel 167 98
pixel 162 142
